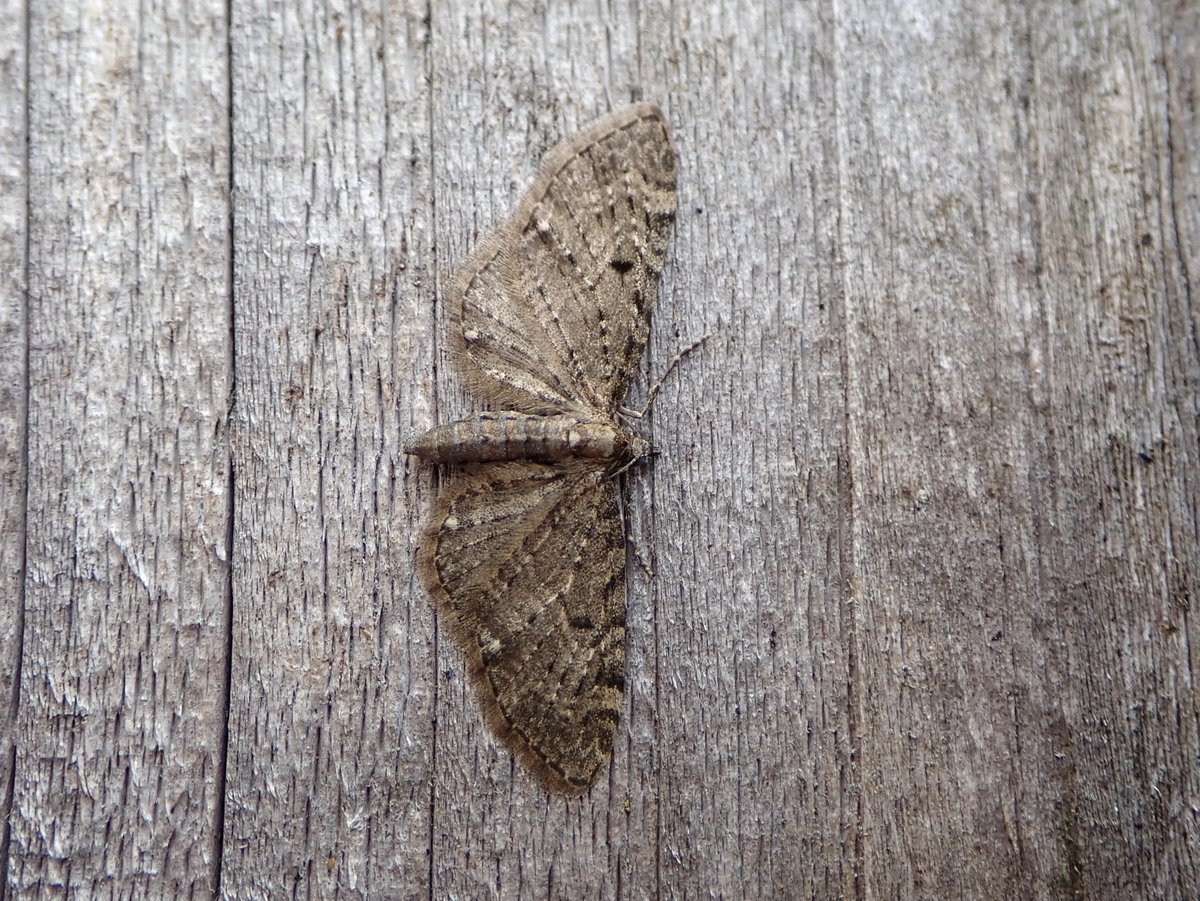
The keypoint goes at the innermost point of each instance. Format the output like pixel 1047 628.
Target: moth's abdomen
pixel 493 437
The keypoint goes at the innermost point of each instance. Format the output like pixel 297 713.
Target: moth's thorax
pixel 509 435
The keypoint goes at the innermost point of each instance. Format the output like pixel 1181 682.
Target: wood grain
pixel 331 708
pixel 1019 447
pixel 119 723
pixel 14 386
pixel 911 582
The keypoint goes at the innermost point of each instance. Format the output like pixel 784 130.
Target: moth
pixel 524 552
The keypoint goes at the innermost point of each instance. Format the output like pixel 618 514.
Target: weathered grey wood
pixel 716 671
pixel 331 714
pixel 14 391
pixel 1022 446
pixel 119 724
pixel 756 776
pixel 920 548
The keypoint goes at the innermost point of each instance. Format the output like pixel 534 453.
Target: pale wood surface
pixel 920 549
pixel 119 747
pixel 13 384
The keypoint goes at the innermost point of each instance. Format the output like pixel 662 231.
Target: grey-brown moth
pixel 524 551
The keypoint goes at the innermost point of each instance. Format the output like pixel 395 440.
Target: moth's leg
pixel 620 472
pixel 641 561
pixel 653 392
pixel 630 543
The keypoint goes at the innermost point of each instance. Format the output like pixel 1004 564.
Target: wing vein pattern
pixel 525 557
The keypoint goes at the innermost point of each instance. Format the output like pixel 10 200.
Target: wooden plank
pixel 942 346
pixel 754 767
pixel 14 386
pixel 728 640
pixel 1022 414
pixel 333 680
pixel 120 720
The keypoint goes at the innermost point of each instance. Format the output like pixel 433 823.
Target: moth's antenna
pixel 653 392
